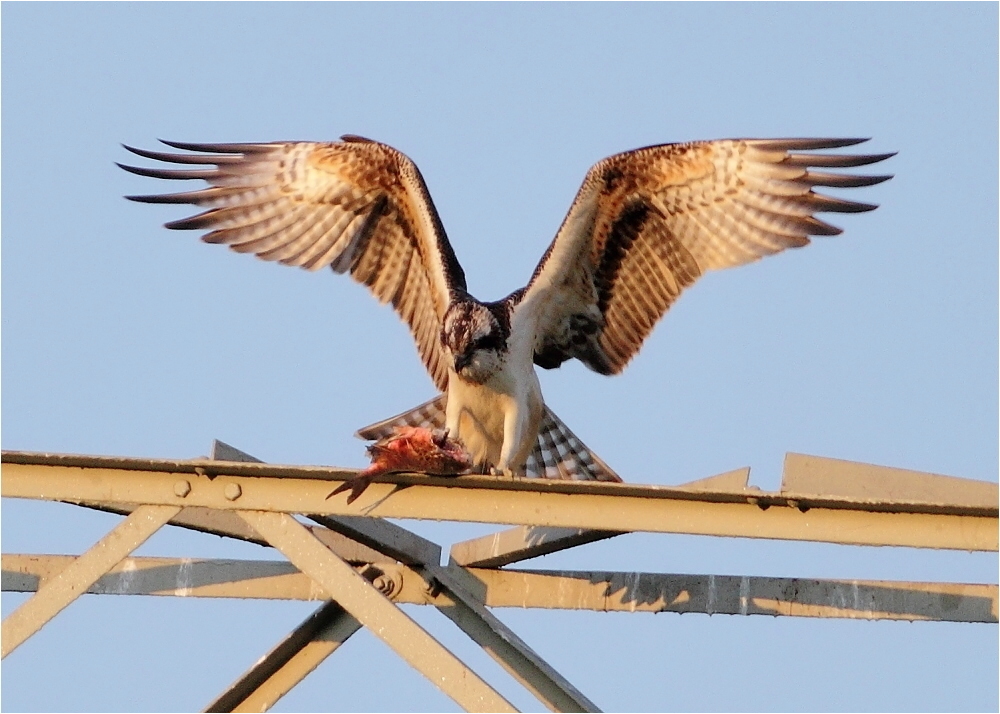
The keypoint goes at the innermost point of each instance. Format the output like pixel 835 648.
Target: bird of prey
pixel 644 225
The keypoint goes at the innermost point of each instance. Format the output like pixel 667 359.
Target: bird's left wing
pixel 647 223
pixel 356 205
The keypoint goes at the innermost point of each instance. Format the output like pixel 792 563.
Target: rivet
pixel 233 491
pixel 389 584
pixel 792 503
pixel 182 488
pixel 383 585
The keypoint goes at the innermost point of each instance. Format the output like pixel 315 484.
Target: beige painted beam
pixel 525 542
pixel 174 577
pixel 374 611
pixel 977 497
pixel 221 451
pixel 444 589
pixel 466 612
pixel 383 537
pixel 820 476
pixel 513 545
pixel 451 597
pixel 529 502
pixel 741 595
pixel 569 590
pixel 320 635
pixel 84 571
pixel 436 586
pixel 227 524
pixel 305 648
pixel 277 672
pixel 281 580
pixel 469 615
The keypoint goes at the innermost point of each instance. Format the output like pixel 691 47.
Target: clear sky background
pixel 880 345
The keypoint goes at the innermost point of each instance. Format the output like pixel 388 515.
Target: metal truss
pixel 362 566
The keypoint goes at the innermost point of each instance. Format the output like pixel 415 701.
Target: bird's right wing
pixel 356 205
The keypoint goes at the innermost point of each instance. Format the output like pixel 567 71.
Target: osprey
pixel 644 225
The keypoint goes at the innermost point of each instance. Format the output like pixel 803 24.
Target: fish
pixel 410 449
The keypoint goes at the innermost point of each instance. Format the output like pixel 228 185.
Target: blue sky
pixel 880 345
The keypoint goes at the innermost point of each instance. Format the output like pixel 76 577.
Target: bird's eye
pixel 490 341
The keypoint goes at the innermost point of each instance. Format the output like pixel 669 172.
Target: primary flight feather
pixel 644 225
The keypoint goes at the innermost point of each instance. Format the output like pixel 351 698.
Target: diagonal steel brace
pixel 445 591
pixel 385 620
pixel 83 572
pixel 451 592
pixel 277 672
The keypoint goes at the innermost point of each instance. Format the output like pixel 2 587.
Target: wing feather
pixel 356 205
pixel 647 223
pixel 270 232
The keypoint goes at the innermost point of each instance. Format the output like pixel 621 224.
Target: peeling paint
pixel 633 589
pixel 184 578
pixel 315 591
pixel 123 583
pixel 841 597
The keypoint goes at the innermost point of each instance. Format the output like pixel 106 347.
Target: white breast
pixel 479 412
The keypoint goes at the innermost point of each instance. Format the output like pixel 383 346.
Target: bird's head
pixel 475 339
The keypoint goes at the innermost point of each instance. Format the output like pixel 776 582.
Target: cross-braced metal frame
pixel 363 566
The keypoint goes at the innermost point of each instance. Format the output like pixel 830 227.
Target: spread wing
pixel 647 223
pixel 356 205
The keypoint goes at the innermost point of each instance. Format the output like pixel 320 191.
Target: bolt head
pixel 232 491
pixel 182 488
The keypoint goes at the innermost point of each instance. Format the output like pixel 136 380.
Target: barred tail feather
pixel 558 453
pixel 429 415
